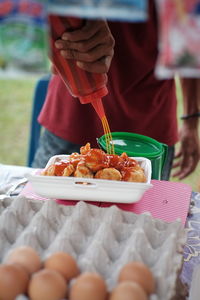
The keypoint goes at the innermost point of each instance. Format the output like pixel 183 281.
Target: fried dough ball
pixel 63 168
pixel 134 174
pixel 121 162
pixel 127 161
pixel 96 160
pixel 85 149
pixel 50 171
pixel 75 158
pixel 75 155
pixel 83 171
pixel 69 170
pixel 109 174
pixel 115 161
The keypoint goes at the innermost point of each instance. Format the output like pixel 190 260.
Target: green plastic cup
pixel 137 145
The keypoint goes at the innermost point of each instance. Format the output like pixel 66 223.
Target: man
pixel 137 102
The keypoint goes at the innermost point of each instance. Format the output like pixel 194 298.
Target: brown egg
pixel 13 281
pixel 25 256
pixel 63 263
pixel 140 273
pixel 88 286
pixel 128 290
pixel 24 273
pixel 47 285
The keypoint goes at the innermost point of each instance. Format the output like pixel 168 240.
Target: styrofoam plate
pixel 89 189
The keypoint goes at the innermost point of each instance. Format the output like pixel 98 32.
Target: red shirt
pixel 137 102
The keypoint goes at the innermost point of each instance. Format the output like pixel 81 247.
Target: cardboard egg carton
pixel 101 239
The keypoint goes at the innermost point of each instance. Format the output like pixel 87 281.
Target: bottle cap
pixel 93 96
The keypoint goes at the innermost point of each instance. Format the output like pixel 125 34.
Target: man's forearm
pixel 191 95
pixel 191 101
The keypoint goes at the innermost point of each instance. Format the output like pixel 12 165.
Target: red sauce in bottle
pixel 87 86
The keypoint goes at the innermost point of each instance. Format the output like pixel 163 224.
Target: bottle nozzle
pixel 94 96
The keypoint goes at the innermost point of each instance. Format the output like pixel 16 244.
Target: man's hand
pixel 188 156
pixel 92 46
pixel 53 70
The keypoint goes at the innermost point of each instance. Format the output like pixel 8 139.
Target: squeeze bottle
pixel 88 87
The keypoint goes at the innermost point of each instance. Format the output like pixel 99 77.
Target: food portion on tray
pixel 93 175
pixel 95 163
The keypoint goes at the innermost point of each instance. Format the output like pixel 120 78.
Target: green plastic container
pixel 137 145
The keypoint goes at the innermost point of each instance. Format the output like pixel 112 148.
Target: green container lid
pixel 134 144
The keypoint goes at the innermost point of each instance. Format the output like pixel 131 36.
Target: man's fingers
pixel 177 159
pixel 178 154
pixel 186 171
pixel 92 46
pixel 85 33
pixel 88 57
pixel 100 66
pixel 86 46
pixel 176 164
pixel 186 166
pixel 181 174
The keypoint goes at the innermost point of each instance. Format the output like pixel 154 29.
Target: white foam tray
pixel 98 190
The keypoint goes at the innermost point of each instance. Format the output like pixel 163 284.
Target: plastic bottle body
pixel 82 84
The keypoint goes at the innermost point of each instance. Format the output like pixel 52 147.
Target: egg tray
pixel 100 239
